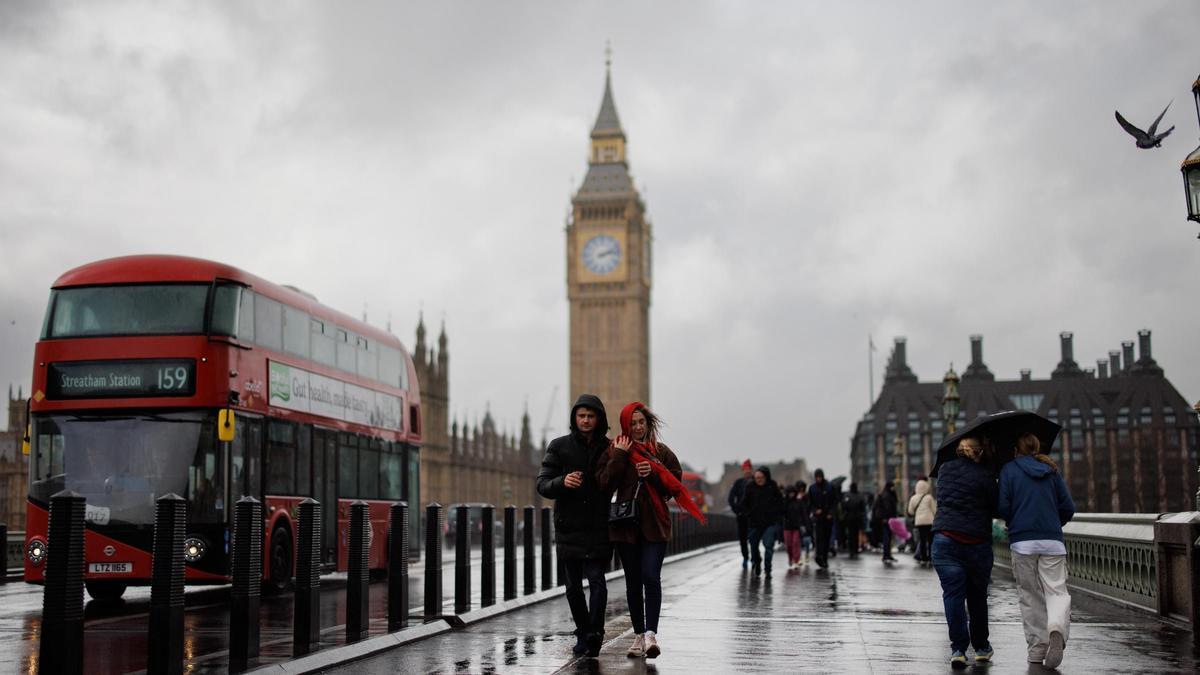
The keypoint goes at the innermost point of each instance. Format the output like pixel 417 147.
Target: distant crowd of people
pixel 953 535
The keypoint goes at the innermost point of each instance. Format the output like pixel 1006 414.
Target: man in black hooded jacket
pixel 568 476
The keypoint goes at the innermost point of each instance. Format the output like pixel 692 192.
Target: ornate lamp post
pixel 1191 168
pixel 950 400
pixel 898 450
pixel 1197 409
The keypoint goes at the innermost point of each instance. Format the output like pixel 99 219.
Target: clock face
pixel 601 254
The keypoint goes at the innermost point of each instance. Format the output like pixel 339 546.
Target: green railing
pixel 1111 555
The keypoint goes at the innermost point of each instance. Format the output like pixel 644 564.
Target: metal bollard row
pixel 547 572
pixel 487 543
pixel 247 581
pixel 61 649
pixel 358 578
pixel 433 562
pixel 165 645
pixel 530 561
pixel 510 552
pixel 306 619
pixel 462 560
pixel 398 546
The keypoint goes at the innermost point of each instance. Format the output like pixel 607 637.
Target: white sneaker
pixel 638 648
pixel 652 648
pixel 1054 651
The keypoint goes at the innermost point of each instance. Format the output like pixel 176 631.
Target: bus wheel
pixel 105 591
pixel 281 560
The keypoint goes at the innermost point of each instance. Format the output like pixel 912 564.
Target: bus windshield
pixel 122 463
pixel 93 311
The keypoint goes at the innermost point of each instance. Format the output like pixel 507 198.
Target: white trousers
pixel 1042 594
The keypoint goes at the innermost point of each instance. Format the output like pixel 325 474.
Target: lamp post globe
pixel 950 400
pixel 1191 167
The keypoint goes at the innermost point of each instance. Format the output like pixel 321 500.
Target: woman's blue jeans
pixel 643 563
pixel 965 571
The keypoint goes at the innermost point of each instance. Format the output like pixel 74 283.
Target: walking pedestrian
pixel 820 495
pixel 923 507
pixel 854 512
pixel 796 523
pixel 1035 503
pixel 765 509
pixel 568 476
pixel 737 495
pixel 884 511
pixel 962 547
pixel 643 470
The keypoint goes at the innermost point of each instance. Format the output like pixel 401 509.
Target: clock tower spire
pixel 608 270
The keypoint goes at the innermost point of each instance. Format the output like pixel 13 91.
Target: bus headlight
pixel 36 552
pixel 194 549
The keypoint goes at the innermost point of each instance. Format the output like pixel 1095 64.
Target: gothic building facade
pixel 609 272
pixel 465 463
pixel 14 465
pixel 1128 443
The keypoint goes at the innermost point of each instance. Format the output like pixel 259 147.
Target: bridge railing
pixel 14 551
pixel 1143 560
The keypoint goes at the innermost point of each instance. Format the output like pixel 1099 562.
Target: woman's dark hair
pixel 765 471
pixel 1029 444
pixel 801 485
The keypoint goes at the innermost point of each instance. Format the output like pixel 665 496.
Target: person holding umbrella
pixel 962 546
pixel 1035 503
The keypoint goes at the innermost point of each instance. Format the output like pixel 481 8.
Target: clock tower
pixel 608 273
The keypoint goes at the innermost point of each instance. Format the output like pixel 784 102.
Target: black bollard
pixel 398 567
pixel 306 620
pixel 510 552
pixel 547 570
pixel 487 544
pixel 530 556
pixel 358 577
pixel 166 586
pixel 433 562
pixel 462 561
pixel 247 583
pixel 4 538
pixel 61 649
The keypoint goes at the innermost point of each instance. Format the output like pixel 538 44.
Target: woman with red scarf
pixel 637 464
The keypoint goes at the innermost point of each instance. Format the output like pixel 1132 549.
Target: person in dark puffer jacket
pixel 962 547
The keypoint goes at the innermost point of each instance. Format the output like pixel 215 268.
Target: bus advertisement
pixel 138 360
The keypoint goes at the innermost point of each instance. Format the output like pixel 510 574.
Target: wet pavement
pixel 858 617
pixel 115 634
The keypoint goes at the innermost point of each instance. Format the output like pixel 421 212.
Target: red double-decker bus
pixel 141 359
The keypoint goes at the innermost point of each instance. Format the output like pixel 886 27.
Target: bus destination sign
pixel 121 379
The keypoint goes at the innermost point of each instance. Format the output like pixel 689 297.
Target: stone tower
pixel 433 373
pixel 609 272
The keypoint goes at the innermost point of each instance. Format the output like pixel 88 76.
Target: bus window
pixel 347 466
pixel 245 331
pixel 268 323
pixel 368 468
pixel 206 481
pixel 281 438
pixel 167 309
pixel 322 344
pixel 303 472
pixel 389 366
pixel 345 351
pixel 368 360
pixel 225 310
pixel 391 473
pixel 295 331
pixel 246 458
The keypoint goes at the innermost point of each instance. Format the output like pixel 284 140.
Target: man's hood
pixel 593 402
pixel 922 487
pixel 1032 467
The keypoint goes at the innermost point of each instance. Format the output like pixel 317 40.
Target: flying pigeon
pixel 1149 138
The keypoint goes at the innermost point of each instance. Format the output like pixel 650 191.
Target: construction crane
pixel 546 426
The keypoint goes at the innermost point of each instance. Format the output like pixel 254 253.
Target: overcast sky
pixel 815 173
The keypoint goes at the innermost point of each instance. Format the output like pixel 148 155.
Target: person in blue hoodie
pixel 1035 503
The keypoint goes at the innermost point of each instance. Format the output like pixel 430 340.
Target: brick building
pixel 784 473
pixel 14 466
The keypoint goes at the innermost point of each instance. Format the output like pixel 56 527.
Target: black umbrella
pixel 1002 429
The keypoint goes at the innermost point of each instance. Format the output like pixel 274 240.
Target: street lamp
pixel 1197 409
pixel 950 400
pixel 1191 167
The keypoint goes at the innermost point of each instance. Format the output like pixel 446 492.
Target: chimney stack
pixel 1026 374
pixel 1102 368
pixel 901 352
pixel 897 367
pixel 1114 361
pixel 978 370
pixel 1067 366
pixel 977 350
pixel 1144 345
pixel 1126 355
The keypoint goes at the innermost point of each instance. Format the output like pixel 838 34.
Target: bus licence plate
pixel 111 568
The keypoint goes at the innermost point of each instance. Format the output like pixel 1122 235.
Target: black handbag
pixel 625 513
